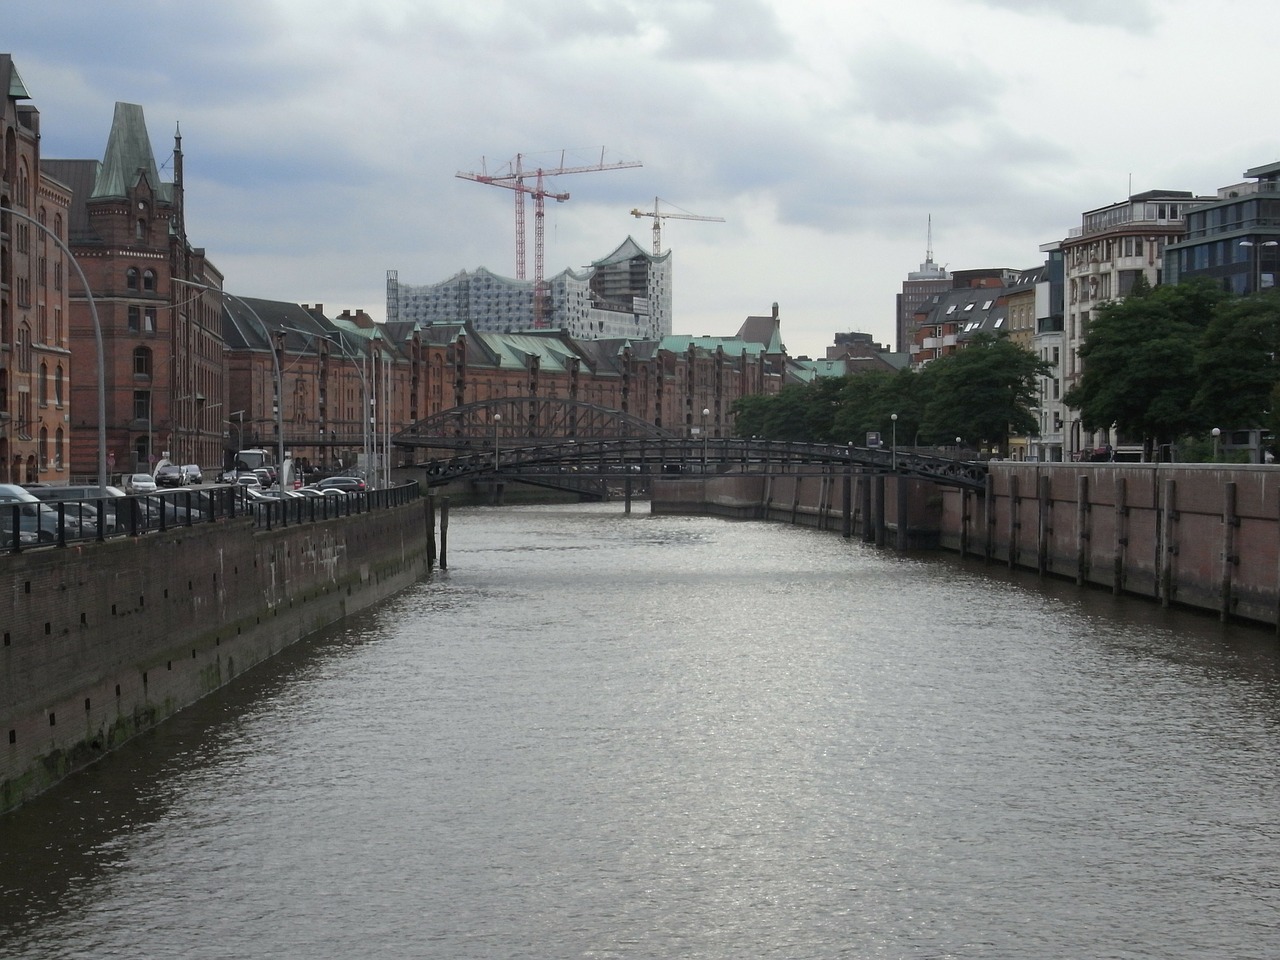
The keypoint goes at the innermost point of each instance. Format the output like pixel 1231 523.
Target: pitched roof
pixel 9 77
pixel 128 157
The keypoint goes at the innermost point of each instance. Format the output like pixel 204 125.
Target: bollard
pixel 444 533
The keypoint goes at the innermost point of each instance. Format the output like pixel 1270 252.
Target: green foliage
pixel 981 393
pixel 1140 362
pixel 984 393
pixel 1236 365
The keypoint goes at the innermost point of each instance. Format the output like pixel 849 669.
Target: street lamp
pixel 275 368
pixel 705 413
pixel 893 455
pixel 1255 277
pixel 239 422
pixel 1215 433
pixel 336 338
pixel 97 341
pixel 497 419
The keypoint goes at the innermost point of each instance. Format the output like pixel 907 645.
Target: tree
pixel 1236 368
pixel 983 393
pixel 1139 362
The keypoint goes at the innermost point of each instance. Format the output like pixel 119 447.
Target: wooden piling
pixel 444 533
pixel 430 530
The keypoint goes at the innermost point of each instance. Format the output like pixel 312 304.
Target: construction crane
pixel 512 176
pixel 658 217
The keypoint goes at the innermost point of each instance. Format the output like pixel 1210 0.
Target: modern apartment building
pixel 1235 238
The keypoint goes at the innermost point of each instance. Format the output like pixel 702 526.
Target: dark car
pixel 170 475
pixel 347 484
pixel 193 473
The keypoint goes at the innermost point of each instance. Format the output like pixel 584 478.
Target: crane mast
pixel 512 176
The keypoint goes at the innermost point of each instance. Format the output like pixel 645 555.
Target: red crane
pixel 512 176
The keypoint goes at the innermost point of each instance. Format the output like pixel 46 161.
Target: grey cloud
pixel 1138 16
pixel 904 84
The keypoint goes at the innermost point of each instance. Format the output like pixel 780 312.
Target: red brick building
pixel 162 340
pixel 35 368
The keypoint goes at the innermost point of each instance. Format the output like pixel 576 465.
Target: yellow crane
pixel 659 216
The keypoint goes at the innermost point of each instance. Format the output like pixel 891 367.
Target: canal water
pixel 606 736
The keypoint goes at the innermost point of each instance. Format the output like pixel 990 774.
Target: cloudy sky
pixel 322 137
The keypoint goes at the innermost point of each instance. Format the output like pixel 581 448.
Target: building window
pixel 24 348
pixel 57 275
pixel 149 320
pixel 149 280
pixel 131 279
pixel 135 319
pixel 43 385
pixel 57 449
pixel 142 404
pixel 57 385
pixel 142 362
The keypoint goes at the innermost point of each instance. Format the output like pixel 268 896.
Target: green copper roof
pixel 17 91
pixel 128 156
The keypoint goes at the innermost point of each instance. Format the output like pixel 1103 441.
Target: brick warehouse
pixel 188 368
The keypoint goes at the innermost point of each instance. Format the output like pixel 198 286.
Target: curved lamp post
pixel 893 455
pixel 275 367
pixel 706 412
pixel 97 340
pixel 1215 433
pixel 335 337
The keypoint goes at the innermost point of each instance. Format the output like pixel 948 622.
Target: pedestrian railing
pixel 53 524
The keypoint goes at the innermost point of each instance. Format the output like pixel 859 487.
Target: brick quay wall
pixel 103 640
pixel 1204 536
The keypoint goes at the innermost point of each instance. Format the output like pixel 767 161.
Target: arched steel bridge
pixel 523 437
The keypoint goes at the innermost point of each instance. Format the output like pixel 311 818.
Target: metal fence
pixel 54 524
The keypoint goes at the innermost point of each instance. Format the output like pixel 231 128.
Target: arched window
pixel 149 280
pixel 131 278
pixel 142 362
pixel 44 447
pixel 57 449
pixel 140 229
pixel 57 386
pixel 43 385
pixel 57 225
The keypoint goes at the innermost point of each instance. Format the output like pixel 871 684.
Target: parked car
pixel 34 516
pixel 139 483
pixel 170 475
pixel 345 484
pixel 249 481
pixel 266 476
pixel 193 473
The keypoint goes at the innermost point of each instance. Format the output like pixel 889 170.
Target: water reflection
pixel 598 735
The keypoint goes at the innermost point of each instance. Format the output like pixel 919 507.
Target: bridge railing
pixel 697 455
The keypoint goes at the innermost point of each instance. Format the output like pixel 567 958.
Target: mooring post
pixel 900 540
pixel 880 534
pixel 868 527
pixel 846 506
pixel 1082 529
pixel 431 530
pixel 1122 535
pixel 444 533
pixel 1230 520
pixel 989 505
pixel 626 495
pixel 1015 523
pixel 1168 550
